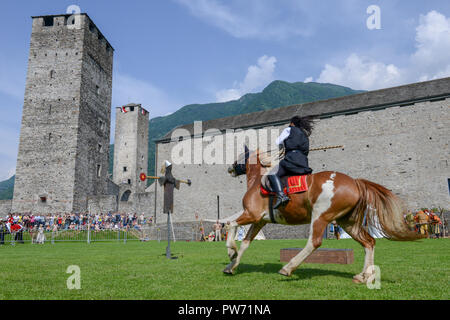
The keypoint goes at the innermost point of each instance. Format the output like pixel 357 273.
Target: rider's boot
pixel 275 183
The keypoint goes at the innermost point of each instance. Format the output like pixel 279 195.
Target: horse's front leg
pixel 314 241
pixel 251 234
pixel 231 243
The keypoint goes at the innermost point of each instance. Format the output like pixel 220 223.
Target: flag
pixel 123 109
pixel 143 112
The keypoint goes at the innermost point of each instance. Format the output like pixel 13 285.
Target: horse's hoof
pixel 284 273
pixel 228 271
pixel 358 279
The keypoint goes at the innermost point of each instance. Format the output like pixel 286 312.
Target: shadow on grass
pixel 302 273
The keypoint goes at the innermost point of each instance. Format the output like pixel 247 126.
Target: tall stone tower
pixel 130 149
pixel 65 131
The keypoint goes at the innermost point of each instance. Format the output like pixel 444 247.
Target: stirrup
pixel 281 201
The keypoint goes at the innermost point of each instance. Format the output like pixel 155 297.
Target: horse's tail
pixel 382 210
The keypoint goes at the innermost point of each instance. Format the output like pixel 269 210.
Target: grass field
pixel 139 270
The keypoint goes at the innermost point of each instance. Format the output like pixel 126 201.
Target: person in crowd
pixel 202 234
pixel 422 220
pixel 217 228
pixel 409 218
pixel 3 231
pixel 227 229
pixel 337 230
pixel 435 225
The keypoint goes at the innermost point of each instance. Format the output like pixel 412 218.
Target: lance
pixel 326 148
pixel 144 177
pixel 313 149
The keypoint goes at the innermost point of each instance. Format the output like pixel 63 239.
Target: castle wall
pixel 102 204
pixel 5 208
pixel 139 203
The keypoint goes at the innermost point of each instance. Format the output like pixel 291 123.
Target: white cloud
pixel 361 73
pixel 432 57
pixel 309 79
pixel 431 60
pixel 251 18
pixel 257 77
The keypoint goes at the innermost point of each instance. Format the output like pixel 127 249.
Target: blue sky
pixel 175 52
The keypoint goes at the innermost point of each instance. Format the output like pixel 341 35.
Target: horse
pixel 354 204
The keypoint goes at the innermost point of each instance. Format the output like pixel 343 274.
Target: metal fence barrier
pixel 88 235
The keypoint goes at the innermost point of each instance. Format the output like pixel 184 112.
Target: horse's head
pixel 239 167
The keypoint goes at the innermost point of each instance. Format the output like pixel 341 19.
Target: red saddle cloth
pixel 296 184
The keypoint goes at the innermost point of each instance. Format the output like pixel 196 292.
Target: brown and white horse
pixel 332 196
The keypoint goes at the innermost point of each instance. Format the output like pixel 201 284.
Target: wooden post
pixel 218 208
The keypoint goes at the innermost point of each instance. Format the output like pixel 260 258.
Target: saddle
pixel 291 184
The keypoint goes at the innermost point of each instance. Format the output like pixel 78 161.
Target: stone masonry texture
pixel 65 131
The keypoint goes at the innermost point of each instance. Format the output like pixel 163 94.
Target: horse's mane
pixel 270 158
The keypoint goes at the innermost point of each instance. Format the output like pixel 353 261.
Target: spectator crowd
pixel 426 222
pixel 72 221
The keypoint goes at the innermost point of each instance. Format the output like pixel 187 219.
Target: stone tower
pixel 130 149
pixel 65 131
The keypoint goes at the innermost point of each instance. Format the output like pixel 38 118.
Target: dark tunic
pixel 169 183
pixel 296 146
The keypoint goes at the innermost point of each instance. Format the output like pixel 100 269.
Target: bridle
pixel 241 168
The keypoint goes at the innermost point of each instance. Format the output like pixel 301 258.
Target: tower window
pixel 100 148
pixel 97 89
pixel 129 181
pixel 124 169
pixel 52 74
pixel 99 170
pixel 48 21
pixel 131 108
pixel 43 199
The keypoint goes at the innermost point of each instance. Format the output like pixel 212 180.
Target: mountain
pixel 7 188
pixel 276 94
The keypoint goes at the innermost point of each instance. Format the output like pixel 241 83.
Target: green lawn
pixel 139 270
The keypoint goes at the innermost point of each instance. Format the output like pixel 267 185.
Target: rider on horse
pixel 296 145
